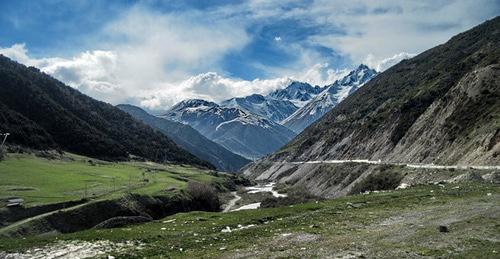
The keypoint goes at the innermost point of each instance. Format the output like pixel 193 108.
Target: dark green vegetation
pixel 295 195
pixel 380 180
pixel 40 112
pixel 190 139
pixel 442 106
pixel 393 224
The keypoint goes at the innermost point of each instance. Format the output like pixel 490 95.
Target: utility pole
pixel 5 135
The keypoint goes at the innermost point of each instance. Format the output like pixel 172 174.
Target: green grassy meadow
pixel 42 181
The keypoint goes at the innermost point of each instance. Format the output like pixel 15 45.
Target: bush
pixel 382 180
pixel 203 195
pixel 1 154
pixel 295 195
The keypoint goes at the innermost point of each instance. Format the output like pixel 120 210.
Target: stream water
pixel 252 189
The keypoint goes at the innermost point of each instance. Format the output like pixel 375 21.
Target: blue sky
pixel 155 53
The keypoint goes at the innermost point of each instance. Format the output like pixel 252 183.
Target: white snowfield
pixel 379 162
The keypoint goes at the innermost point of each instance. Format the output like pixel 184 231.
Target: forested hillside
pixel 41 112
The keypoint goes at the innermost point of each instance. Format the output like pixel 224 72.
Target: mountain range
pixel 237 130
pixel 440 107
pixel 190 139
pixel 256 125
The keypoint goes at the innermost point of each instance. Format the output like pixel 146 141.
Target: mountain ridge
pixel 332 94
pixel 190 139
pixel 273 109
pixel 237 130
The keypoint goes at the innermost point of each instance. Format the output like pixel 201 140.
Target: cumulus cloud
pixel 147 51
pixel 386 27
pixel 97 73
pixel 17 52
pixel 321 74
pixel 173 46
pixel 210 86
pixel 92 72
pixel 385 63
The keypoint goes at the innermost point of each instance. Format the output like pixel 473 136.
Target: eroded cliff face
pixel 462 127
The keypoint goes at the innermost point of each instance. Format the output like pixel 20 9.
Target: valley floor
pixel 390 224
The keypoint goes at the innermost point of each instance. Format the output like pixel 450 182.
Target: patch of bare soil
pixel 74 249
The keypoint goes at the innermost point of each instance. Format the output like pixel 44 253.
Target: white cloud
pixel 17 52
pixel 209 86
pixel 92 72
pixel 97 73
pixel 172 46
pixel 385 63
pixel 147 51
pixel 321 74
pixel 386 27
pixel 277 38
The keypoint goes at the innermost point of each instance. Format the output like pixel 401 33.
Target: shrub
pixel 203 195
pixel 382 180
pixel 295 195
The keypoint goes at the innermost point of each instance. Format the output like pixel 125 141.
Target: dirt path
pixel 6 229
pixel 379 162
pixel 232 202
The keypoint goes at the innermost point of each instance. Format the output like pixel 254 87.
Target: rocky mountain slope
pixel 441 107
pixel 239 131
pixel 328 98
pixel 40 112
pixel 267 107
pixel 297 92
pixel 190 139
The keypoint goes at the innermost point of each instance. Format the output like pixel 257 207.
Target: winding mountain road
pixel 379 162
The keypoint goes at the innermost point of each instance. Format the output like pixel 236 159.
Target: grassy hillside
pixel 42 181
pixel 41 112
pixel 393 224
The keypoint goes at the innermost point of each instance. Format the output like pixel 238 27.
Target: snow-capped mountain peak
pixel 298 93
pixel 329 98
pixel 193 104
pixel 274 109
pixel 358 76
